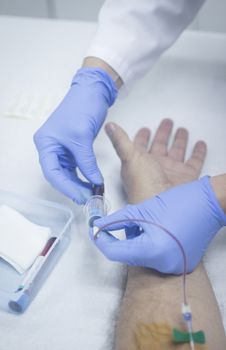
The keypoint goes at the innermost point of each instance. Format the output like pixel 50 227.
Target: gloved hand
pixel 190 212
pixel 65 140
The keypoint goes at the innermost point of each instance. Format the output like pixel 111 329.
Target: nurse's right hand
pixel 65 140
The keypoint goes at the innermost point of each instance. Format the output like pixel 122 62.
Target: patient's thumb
pixel 120 141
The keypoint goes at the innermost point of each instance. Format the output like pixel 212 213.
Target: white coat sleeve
pixel 132 34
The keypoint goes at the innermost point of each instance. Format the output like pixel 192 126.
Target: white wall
pixel 31 8
pixel 212 16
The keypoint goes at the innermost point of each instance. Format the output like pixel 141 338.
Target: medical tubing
pixel 104 227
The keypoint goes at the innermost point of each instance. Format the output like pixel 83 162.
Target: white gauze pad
pixel 21 241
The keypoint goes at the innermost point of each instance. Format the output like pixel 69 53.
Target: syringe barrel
pixel 96 207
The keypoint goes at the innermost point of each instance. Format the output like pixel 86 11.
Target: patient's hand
pixel 149 169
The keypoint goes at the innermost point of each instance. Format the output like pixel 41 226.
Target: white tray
pixel 44 213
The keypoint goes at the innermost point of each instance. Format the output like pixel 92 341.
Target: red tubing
pixel 167 232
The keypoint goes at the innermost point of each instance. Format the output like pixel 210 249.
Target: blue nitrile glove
pixel 65 140
pixel 190 211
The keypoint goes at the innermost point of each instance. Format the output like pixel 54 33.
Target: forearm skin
pixel 151 297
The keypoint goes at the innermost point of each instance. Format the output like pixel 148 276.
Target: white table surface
pixel 75 308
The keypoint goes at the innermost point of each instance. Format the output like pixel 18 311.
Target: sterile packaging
pixel 40 212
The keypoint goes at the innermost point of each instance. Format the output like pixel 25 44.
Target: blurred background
pixel 212 16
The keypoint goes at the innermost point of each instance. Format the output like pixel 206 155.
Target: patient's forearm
pixel 154 298
pixel 151 298
pixel 151 191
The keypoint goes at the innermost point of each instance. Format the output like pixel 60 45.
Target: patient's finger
pixel 142 138
pixel 161 138
pixel 178 148
pixel 120 140
pixel 198 156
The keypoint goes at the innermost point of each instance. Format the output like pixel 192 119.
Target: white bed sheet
pixel 76 307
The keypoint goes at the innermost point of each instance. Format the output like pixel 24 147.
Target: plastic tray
pixel 55 216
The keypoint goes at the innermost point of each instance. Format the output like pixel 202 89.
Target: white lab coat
pixel 132 34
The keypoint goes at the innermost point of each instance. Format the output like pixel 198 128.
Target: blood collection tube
pixel 98 190
pixel 97 206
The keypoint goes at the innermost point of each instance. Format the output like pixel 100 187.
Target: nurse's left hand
pixel 190 212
